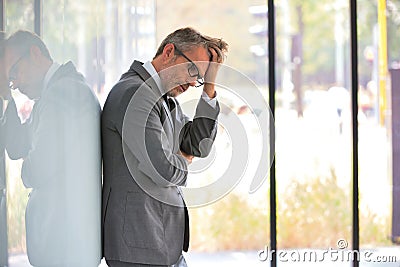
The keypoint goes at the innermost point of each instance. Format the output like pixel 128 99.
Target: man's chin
pixel 27 94
pixel 174 92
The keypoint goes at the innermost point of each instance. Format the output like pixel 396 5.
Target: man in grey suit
pixel 147 144
pixel 60 148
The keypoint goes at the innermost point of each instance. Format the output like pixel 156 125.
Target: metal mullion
pixel 2 15
pixel 354 109
pixel 37 9
pixel 271 100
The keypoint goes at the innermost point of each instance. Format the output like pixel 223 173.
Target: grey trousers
pixel 129 264
pixel 181 263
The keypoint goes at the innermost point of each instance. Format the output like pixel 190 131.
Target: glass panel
pixel 19 15
pixel 229 231
pixel 103 41
pixel 63 196
pixel 313 139
pixel 128 33
pixel 378 25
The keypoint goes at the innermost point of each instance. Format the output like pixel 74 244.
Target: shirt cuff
pixel 1 109
pixel 211 101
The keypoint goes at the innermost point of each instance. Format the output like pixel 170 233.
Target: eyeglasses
pixel 192 70
pixel 12 74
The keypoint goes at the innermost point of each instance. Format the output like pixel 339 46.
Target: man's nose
pixel 192 81
pixel 13 84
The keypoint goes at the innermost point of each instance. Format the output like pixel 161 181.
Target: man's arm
pixel 2 122
pixel 60 143
pixel 144 135
pixel 16 134
pixel 197 136
pixel 212 71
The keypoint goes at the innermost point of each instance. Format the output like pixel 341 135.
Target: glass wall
pixel 228 192
pixel 313 129
pixel 229 225
pixel 18 15
pixel 378 52
pixel 314 132
pixel 100 43
pixel 103 41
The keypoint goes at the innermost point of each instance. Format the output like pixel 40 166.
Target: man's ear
pixel 35 52
pixel 168 53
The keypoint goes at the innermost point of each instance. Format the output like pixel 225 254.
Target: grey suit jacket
pixel 60 145
pixel 143 209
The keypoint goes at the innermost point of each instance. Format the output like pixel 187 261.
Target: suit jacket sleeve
pixel 152 145
pixel 57 138
pixel 48 136
pixel 17 134
pixel 197 136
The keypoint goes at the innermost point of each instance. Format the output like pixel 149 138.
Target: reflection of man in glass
pixel 60 147
pixel 147 145
pixel 4 94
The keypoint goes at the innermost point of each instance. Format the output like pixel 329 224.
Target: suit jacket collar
pixel 138 68
pixel 63 71
pixel 50 72
pixel 57 72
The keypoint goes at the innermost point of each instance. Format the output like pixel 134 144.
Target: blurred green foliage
pixel 229 224
pixel 315 213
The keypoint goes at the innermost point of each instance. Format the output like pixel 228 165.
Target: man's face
pixel 20 70
pixel 182 72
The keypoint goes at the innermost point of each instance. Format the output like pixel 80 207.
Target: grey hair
pixel 23 40
pixel 188 38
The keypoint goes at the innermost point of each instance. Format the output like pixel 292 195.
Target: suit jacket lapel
pixel 137 67
pixel 169 115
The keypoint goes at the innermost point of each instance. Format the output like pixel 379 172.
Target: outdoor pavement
pixel 251 258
